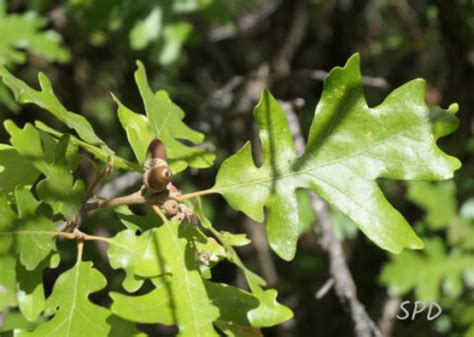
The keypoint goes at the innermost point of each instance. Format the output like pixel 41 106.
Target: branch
pixel 344 284
pixel 131 199
pixel 294 39
pixel 120 184
pixel 245 23
pixel 389 312
pixel 370 81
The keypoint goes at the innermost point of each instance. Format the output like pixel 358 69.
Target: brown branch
pixel 245 23
pixel 320 75
pixel 265 262
pixel 387 321
pixel 131 199
pixel 344 284
pixel 294 39
pixel 120 184
pixel 98 178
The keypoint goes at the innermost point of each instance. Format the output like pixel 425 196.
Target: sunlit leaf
pixel 163 120
pixel 349 146
pixel 268 312
pixel 169 249
pixel 46 99
pixel 74 314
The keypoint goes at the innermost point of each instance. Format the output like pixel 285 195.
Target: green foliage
pixel 22 32
pixel 443 272
pixel 155 25
pixel 168 264
pixel 172 255
pixel 428 272
pixel 430 197
pixel 163 121
pixel 14 170
pixel 349 146
pixel 74 314
pixel 28 234
pixel 47 100
pixel 56 160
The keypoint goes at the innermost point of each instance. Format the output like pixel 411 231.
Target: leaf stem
pixel 195 194
pixel 80 250
pixel 160 213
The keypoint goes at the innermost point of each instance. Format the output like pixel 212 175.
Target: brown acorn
pixel 157 173
pixel 156 149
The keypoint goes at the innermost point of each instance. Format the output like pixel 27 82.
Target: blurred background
pixel 214 57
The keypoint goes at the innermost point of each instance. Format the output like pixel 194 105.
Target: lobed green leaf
pixel 74 314
pixel 349 146
pixel 163 120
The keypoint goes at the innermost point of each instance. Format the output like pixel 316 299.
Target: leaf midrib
pixel 336 161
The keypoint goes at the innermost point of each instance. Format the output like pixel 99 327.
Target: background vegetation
pixel 214 57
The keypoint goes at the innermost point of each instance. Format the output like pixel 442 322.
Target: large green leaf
pixel 169 249
pixel 56 160
pixel 24 31
pixel 74 314
pixel 157 306
pixel 169 255
pixel 30 233
pixel 46 99
pixel 163 120
pixel 428 273
pixel 349 146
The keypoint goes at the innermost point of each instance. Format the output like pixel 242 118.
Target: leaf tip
pixel 355 58
pixel 44 81
pixel 285 251
pixel 453 108
pixel 417 244
pixel 140 65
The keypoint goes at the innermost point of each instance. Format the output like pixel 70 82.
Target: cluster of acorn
pixel 157 180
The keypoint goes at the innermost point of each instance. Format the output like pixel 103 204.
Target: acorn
pixel 157 173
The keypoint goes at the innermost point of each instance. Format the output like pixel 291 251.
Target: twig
pixel 389 312
pixel 325 288
pixel 98 178
pixel 264 256
pixel 120 184
pixel 131 199
pixel 293 40
pixel 245 23
pixel 344 284
pixel 320 75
